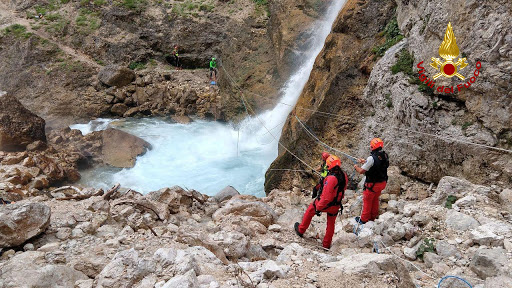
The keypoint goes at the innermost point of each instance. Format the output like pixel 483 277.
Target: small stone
pixel 508 245
pixel 84 283
pixel 441 268
pixel 49 247
pixel 127 230
pixel 28 247
pixel 313 277
pixel 7 254
pixel 446 250
pixel 488 262
pixel 274 228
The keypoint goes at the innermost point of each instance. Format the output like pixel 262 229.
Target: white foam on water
pixel 203 155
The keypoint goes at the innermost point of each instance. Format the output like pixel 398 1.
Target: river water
pixel 208 156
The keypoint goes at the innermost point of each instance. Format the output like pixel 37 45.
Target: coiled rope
pixel 453 277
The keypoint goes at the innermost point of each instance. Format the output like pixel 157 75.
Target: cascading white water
pixel 208 156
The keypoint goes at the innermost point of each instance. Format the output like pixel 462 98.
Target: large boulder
pixel 29 269
pixel 20 222
pixel 187 280
pixel 225 194
pixel 489 262
pixel 254 210
pixel 114 75
pixel 125 270
pixel 506 199
pixel 235 244
pixel 457 187
pixel 18 126
pixel 460 221
pixel 120 149
pixel 372 266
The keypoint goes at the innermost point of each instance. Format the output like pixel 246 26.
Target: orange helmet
pixel 325 155
pixel 376 143
pixel 332 161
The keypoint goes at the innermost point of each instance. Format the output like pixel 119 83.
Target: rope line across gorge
pixel 445 138
pixel 249 109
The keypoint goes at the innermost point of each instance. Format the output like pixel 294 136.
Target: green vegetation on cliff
pixel 393 36
pixel 405 64
pixel 17 30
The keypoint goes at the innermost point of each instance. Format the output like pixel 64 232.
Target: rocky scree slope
pixel 180 238
pixel 51 64
pixel 391 100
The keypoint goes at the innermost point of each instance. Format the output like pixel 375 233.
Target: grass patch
pixel 404 63
pixel 466 125
pixel 53 17
pixel 426 246
pixel 99 2
pixel 393 36
pixel 189 8
pixel 57 27
pixel 87 21
pixel 136 5
pixel 261 2
pixel 18 31
pixel 449 201
pixel 137 65
pixel 389 102
pixel 422 87
pixel 72 66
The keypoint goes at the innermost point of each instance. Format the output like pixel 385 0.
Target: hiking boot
pixel 296 227
pixel 358 219
pixel 326 249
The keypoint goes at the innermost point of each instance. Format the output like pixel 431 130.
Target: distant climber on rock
pixel 323 173
pixel 213 70
pixel 375 168
pixel 328 200
pixel 176 55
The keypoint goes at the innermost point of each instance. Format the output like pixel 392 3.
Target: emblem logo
pixel 449 51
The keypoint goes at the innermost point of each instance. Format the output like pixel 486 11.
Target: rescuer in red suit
pixel 328 200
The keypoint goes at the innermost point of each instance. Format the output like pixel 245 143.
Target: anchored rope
pixel 292 170
pixel 354 159
pixel 445 138
pixel 249 109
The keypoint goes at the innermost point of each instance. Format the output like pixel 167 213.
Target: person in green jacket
pixel 323 173
pixel 176 57
pixel 213 69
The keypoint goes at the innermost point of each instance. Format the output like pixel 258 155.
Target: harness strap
pixel 369 188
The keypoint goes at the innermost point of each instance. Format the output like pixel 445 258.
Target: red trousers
pixel 371 200
pixel 331 220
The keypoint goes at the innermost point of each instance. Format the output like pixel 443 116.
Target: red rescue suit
pixel 324 204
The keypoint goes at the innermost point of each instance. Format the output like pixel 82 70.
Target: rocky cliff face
pixel 51 64
pixel 392 103
pixel 335 86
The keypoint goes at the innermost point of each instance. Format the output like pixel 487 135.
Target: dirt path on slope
pixel 9 17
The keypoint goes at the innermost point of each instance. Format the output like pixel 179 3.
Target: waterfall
pixel 207 156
